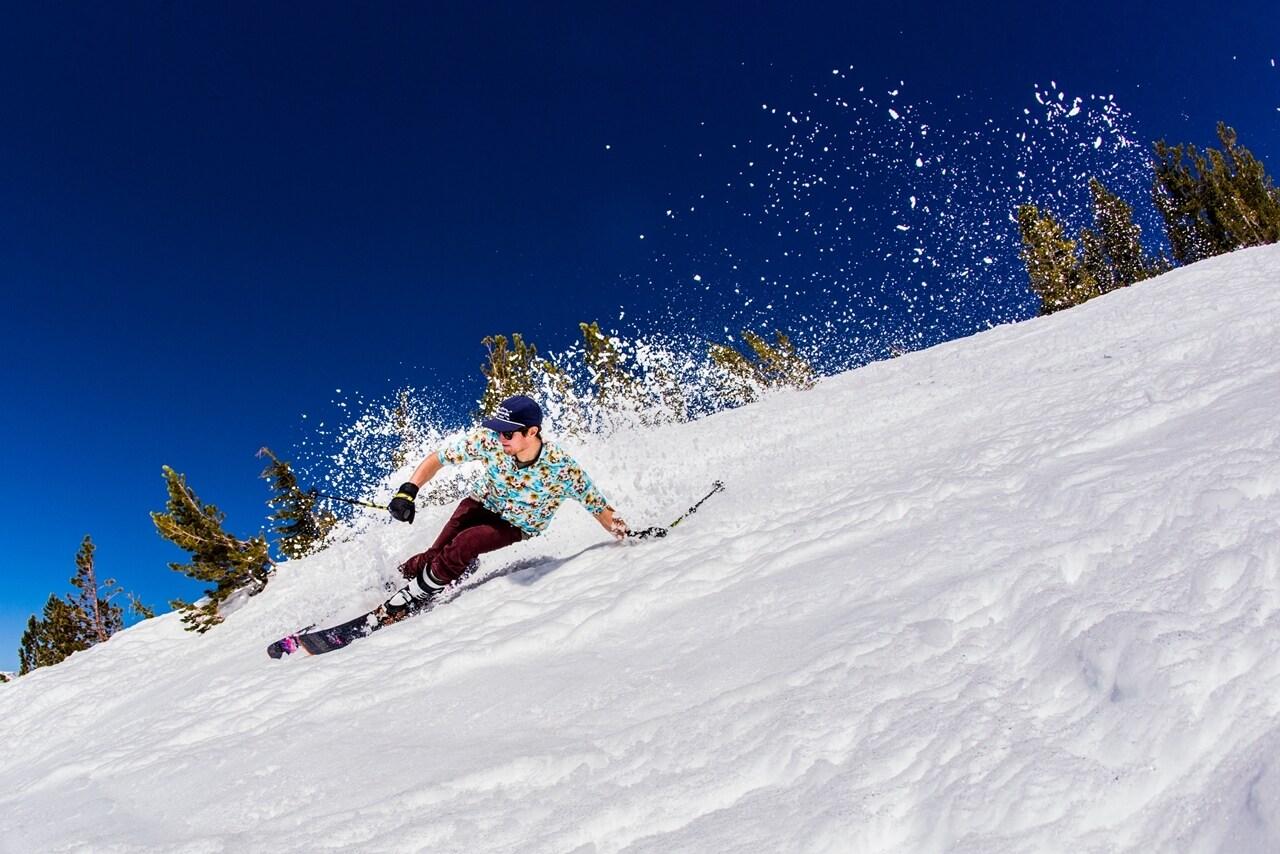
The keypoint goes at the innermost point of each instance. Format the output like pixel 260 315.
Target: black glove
pixel 402 507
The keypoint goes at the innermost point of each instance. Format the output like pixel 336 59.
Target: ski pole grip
pixel 647 533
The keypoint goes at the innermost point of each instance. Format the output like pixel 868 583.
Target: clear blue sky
pixel 211 220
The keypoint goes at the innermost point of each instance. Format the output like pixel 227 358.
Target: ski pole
pixel 662 532
pixel 348 500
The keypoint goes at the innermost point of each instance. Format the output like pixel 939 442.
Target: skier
pixel 524 481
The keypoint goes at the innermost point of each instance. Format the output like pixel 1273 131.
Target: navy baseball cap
pixel 515 413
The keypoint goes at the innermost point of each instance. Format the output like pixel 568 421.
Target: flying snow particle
pixel 697 277
pixel 893 113
pixel 1097 143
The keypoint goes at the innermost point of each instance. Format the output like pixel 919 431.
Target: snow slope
pixel 1019 592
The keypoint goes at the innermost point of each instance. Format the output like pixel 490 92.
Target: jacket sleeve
pixel 463 449
pixel 583 490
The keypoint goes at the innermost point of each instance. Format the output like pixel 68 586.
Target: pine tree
pixel 766 366
pixel 217 557
pixel 1215 202
pixel 1121 240
pixel 779 364
pixel 737 375
pixel 70 624
pixel 508 371
pixel 1094 262
pixel 1250 204
pixel 137 606
pixel 632 377
pixel 60 631
pixel 299 527
pixel 1178 196
pixel 1182 195
pixel 661 377
pixel 1056 275
pixel 405 430
pixel 102 618
pixel 604 360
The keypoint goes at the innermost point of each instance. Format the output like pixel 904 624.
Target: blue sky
pixel 212 221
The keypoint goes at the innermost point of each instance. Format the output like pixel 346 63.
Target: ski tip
pixel 284 646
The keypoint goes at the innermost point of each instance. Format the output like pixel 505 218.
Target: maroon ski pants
pixel 471 531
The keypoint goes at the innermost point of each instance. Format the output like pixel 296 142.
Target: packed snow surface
pixel 1019 592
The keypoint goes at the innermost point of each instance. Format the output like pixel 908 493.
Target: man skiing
pixel 524 481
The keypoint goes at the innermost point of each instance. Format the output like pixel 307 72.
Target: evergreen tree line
pixel 236 568
pixel 77 621
pixel 230 565
pixel 1211 202
pixel 605 381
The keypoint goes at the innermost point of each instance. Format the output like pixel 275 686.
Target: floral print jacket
pixel 526 497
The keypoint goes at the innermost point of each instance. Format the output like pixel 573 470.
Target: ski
pixel 320 641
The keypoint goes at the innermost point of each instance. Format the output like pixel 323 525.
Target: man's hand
pixel 402 506
pixel 613 523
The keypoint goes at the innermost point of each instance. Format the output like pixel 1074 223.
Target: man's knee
pixel 465 549
pixel 416 564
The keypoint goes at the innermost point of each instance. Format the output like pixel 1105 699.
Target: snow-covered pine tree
pixel 218 558
pixel 1056 274
pixel 778 364
pixel 562 403
pixel 298 525
pixel 615 386
pixel 736 382
pixel 405 429
pixel 1119 240
pixel 1094 261
pixel 764 366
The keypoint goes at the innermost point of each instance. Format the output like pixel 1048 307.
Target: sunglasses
pixel 510 434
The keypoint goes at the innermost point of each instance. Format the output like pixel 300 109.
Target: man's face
pixel 518 442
